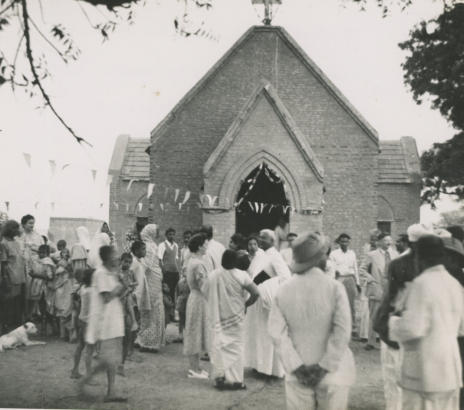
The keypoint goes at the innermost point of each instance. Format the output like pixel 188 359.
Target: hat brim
pixel 298 267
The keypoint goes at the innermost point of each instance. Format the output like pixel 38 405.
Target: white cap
pixel 418 230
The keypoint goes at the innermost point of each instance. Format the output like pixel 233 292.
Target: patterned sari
pixel 152 329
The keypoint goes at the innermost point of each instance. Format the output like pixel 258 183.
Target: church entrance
pixel 261 201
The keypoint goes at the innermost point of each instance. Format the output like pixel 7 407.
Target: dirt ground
pixel 38 377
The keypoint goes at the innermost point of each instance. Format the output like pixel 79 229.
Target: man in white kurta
pixel 310 324
pixel 427 330
pixel 260 353
pixel 214 249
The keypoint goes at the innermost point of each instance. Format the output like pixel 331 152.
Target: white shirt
pixel 162 249
pixel 287 254
pixel 310 322
pixel 276 265
pixel 345 263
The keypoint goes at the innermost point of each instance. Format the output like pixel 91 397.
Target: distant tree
pixel 110 13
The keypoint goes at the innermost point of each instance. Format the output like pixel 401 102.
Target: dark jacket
pixel 400 271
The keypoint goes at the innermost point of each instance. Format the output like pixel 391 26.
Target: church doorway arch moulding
pixel 233 180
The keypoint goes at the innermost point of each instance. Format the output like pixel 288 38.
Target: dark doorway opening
pixel 261 201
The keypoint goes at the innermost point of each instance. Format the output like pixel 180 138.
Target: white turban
pixel 269 232
pixel 418 230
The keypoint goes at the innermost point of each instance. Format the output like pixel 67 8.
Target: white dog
pixel 19 337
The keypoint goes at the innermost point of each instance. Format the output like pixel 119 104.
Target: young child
pixel 127 278
pixel 61 246
pixel 63 297
pixel 182 292
pixel 81 304
pixel 168 305
pixel 42 287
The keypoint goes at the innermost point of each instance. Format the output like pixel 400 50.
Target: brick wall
pixel 348 154
pixel 404 200
pixel 122 219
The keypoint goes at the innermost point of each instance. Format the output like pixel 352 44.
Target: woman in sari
pixel 152 330
pixel 227 289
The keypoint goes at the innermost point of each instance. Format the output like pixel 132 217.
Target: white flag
pixel 130 184
pixel 176 194
pixel 186 197
pixel 140 205
pixel 150 189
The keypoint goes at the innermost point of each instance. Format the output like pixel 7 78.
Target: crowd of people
pixel 284 304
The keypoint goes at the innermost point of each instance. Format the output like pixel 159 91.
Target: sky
pixel 127 84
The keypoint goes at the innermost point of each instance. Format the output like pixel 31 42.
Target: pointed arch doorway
pixel 261 201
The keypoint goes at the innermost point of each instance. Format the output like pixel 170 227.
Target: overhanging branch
pixel 37 82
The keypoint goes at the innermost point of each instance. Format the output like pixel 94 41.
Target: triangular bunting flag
pixel 150 189
pixel 180 206
pixel 176 194
pixel 109 180
pixel 116 205
pixel 186 197
pixel 94 174
pixel 162 206
pixel 140 205
pixel 52 206
pixel 52 164
pixel 27 158
pixel 130 184
pixel 36 205
pixel 7 204
pixel 65 166
pixel 101 205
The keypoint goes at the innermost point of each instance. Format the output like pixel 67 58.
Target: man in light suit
pixel 310 324
pixel 374 268
pixel 427 328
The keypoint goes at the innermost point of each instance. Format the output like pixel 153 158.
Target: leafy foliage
pixel 434 71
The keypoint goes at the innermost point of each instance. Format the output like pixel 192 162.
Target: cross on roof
pixel 267 9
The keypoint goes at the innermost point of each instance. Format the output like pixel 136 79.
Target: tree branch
pixel 36 77
pixel 48 41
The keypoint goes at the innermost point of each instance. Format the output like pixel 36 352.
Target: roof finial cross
pixel 268 12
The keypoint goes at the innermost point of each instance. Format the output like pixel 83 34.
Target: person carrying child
pixel 42 290
pixel 63 299
pixel 128 300
pixel 81 304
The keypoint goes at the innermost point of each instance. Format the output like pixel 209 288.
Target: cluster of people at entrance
pixel 280 303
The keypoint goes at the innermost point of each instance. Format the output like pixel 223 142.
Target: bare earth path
pixel 38 377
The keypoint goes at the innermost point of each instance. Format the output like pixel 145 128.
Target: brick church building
pixel 265 135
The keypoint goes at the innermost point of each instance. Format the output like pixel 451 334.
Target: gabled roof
pixel 266 89
pixel 136 164
pixel 399 161
pixel 300 54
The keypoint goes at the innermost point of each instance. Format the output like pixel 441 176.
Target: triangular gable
pixel 300 54
pixel 299 139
